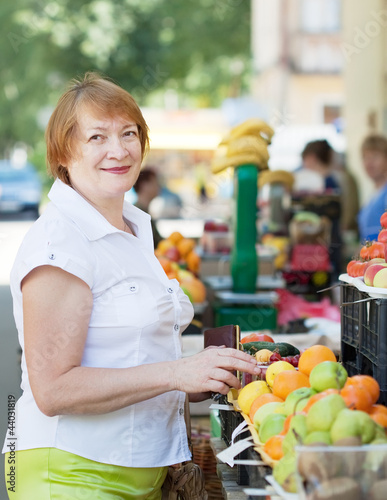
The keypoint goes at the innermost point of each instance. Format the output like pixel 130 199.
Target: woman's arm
pixel 57 308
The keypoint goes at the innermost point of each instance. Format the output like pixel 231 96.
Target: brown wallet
pixel 228 335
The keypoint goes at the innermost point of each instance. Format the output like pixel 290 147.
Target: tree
pixel 196 49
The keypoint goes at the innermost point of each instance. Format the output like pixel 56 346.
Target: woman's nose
pixel 117 149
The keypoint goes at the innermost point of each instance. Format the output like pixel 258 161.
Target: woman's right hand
pixel 212 370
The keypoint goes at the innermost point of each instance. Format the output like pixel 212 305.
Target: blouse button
pixel 181 411
pixel 176 327
pixel 133 288
pixel 170 290
pixel 51 256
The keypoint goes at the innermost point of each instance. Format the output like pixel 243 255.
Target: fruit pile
pixel 372 260
pixel 179 260
pixel 266 352
pixel 316 404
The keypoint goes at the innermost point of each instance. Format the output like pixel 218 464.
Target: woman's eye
pixel 95 137
pixel 130 133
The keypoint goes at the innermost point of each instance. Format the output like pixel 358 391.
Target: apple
pixel 377 260
pixel 328 375
pixel 172 254
pixel 210 226
pixel 380 279
pixel 296 400
pixel 222 227
pixel 271 425
pixel 317 437
pixel 371 271
pixel 323 413
pixel 263 411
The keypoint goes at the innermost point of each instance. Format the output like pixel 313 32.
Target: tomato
pixel 356 268
pixel 376 250
pixel 256 337
pixel 383 220
pixel 365 251
pixel 382 236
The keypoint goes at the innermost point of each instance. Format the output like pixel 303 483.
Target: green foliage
pixel 198 50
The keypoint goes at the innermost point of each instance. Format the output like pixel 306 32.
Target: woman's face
pixel 375 164
pixel 108 156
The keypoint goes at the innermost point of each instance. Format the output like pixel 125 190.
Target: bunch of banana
pixel 276 176
pixel 246 144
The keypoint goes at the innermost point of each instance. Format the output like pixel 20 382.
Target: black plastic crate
pixel 252 475
pixel 364 336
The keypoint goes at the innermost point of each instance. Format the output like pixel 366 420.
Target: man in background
pixel 147 188
pixel 374 154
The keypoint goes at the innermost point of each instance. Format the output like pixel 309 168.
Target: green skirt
pixel 52 474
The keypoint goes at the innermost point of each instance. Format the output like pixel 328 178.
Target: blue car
pixel 20 188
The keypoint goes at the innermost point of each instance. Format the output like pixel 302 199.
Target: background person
pixel 147 188
pixel 374 155
pixel 103 380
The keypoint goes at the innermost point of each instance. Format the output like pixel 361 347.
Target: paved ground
pixel 11 234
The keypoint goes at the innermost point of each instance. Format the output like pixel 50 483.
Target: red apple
pixel 222 227
pixel 380 279
pixel 371 272
pixel 210 226
pixel 172 254
pixel 377 260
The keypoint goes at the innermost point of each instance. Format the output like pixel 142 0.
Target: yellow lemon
pixel 274 369
pixel 250 392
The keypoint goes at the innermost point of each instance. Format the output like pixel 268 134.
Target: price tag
pixel 239 430
pixel 216 406
pixel 227 456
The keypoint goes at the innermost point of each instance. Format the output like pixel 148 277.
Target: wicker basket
pixel 205 458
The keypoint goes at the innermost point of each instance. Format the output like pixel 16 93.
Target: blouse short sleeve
pixel 54 242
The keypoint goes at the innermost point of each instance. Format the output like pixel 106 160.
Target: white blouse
pixel 137 318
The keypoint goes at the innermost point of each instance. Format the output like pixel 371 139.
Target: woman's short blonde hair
pixel 101 96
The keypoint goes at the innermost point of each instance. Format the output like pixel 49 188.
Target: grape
pixel 276 356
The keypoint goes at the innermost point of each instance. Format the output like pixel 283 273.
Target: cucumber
pixel 283 348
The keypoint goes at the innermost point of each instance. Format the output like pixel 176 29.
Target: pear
pixel 323 413
pixel 284 472
pixel 318 437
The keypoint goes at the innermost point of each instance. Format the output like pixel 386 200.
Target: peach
pixel 380 279
pixel 371 272
pixel 378 260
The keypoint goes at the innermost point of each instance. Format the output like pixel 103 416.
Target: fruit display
pixel 179 260
pixel 372 260
pixel 322 432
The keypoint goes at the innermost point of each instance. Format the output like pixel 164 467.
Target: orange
pixel 262 400
pixel 356 396
pixel 185 246
pixel 368 383
pixel 273 447
pixel 378 409
pixel 317 397
pixel 288 381
pixel 313 356
pixel 175 237
pixel 165 263
pixel 193 262
pixel 380 418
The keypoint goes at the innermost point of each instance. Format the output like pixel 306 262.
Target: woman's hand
pixel 211 370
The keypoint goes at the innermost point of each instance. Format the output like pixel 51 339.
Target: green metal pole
pixel 244 259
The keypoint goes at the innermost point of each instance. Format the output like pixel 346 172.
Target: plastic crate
pixel 364 336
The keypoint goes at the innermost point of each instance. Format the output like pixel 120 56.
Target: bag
pixel 185 481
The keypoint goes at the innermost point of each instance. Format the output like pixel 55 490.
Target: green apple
pixel 271 425
pixel 320 437
pixel 328 375
pixel 284 472
pixel 280 409
pixel 264 410
pixel 296 400
pixel 323 413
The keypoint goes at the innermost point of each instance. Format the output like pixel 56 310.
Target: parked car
pixel 20 188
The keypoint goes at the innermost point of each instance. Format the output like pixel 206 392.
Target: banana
pixel 276 176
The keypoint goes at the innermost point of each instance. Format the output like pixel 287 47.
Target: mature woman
pixel 99 322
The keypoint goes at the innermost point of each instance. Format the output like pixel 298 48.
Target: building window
pixel 320 16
